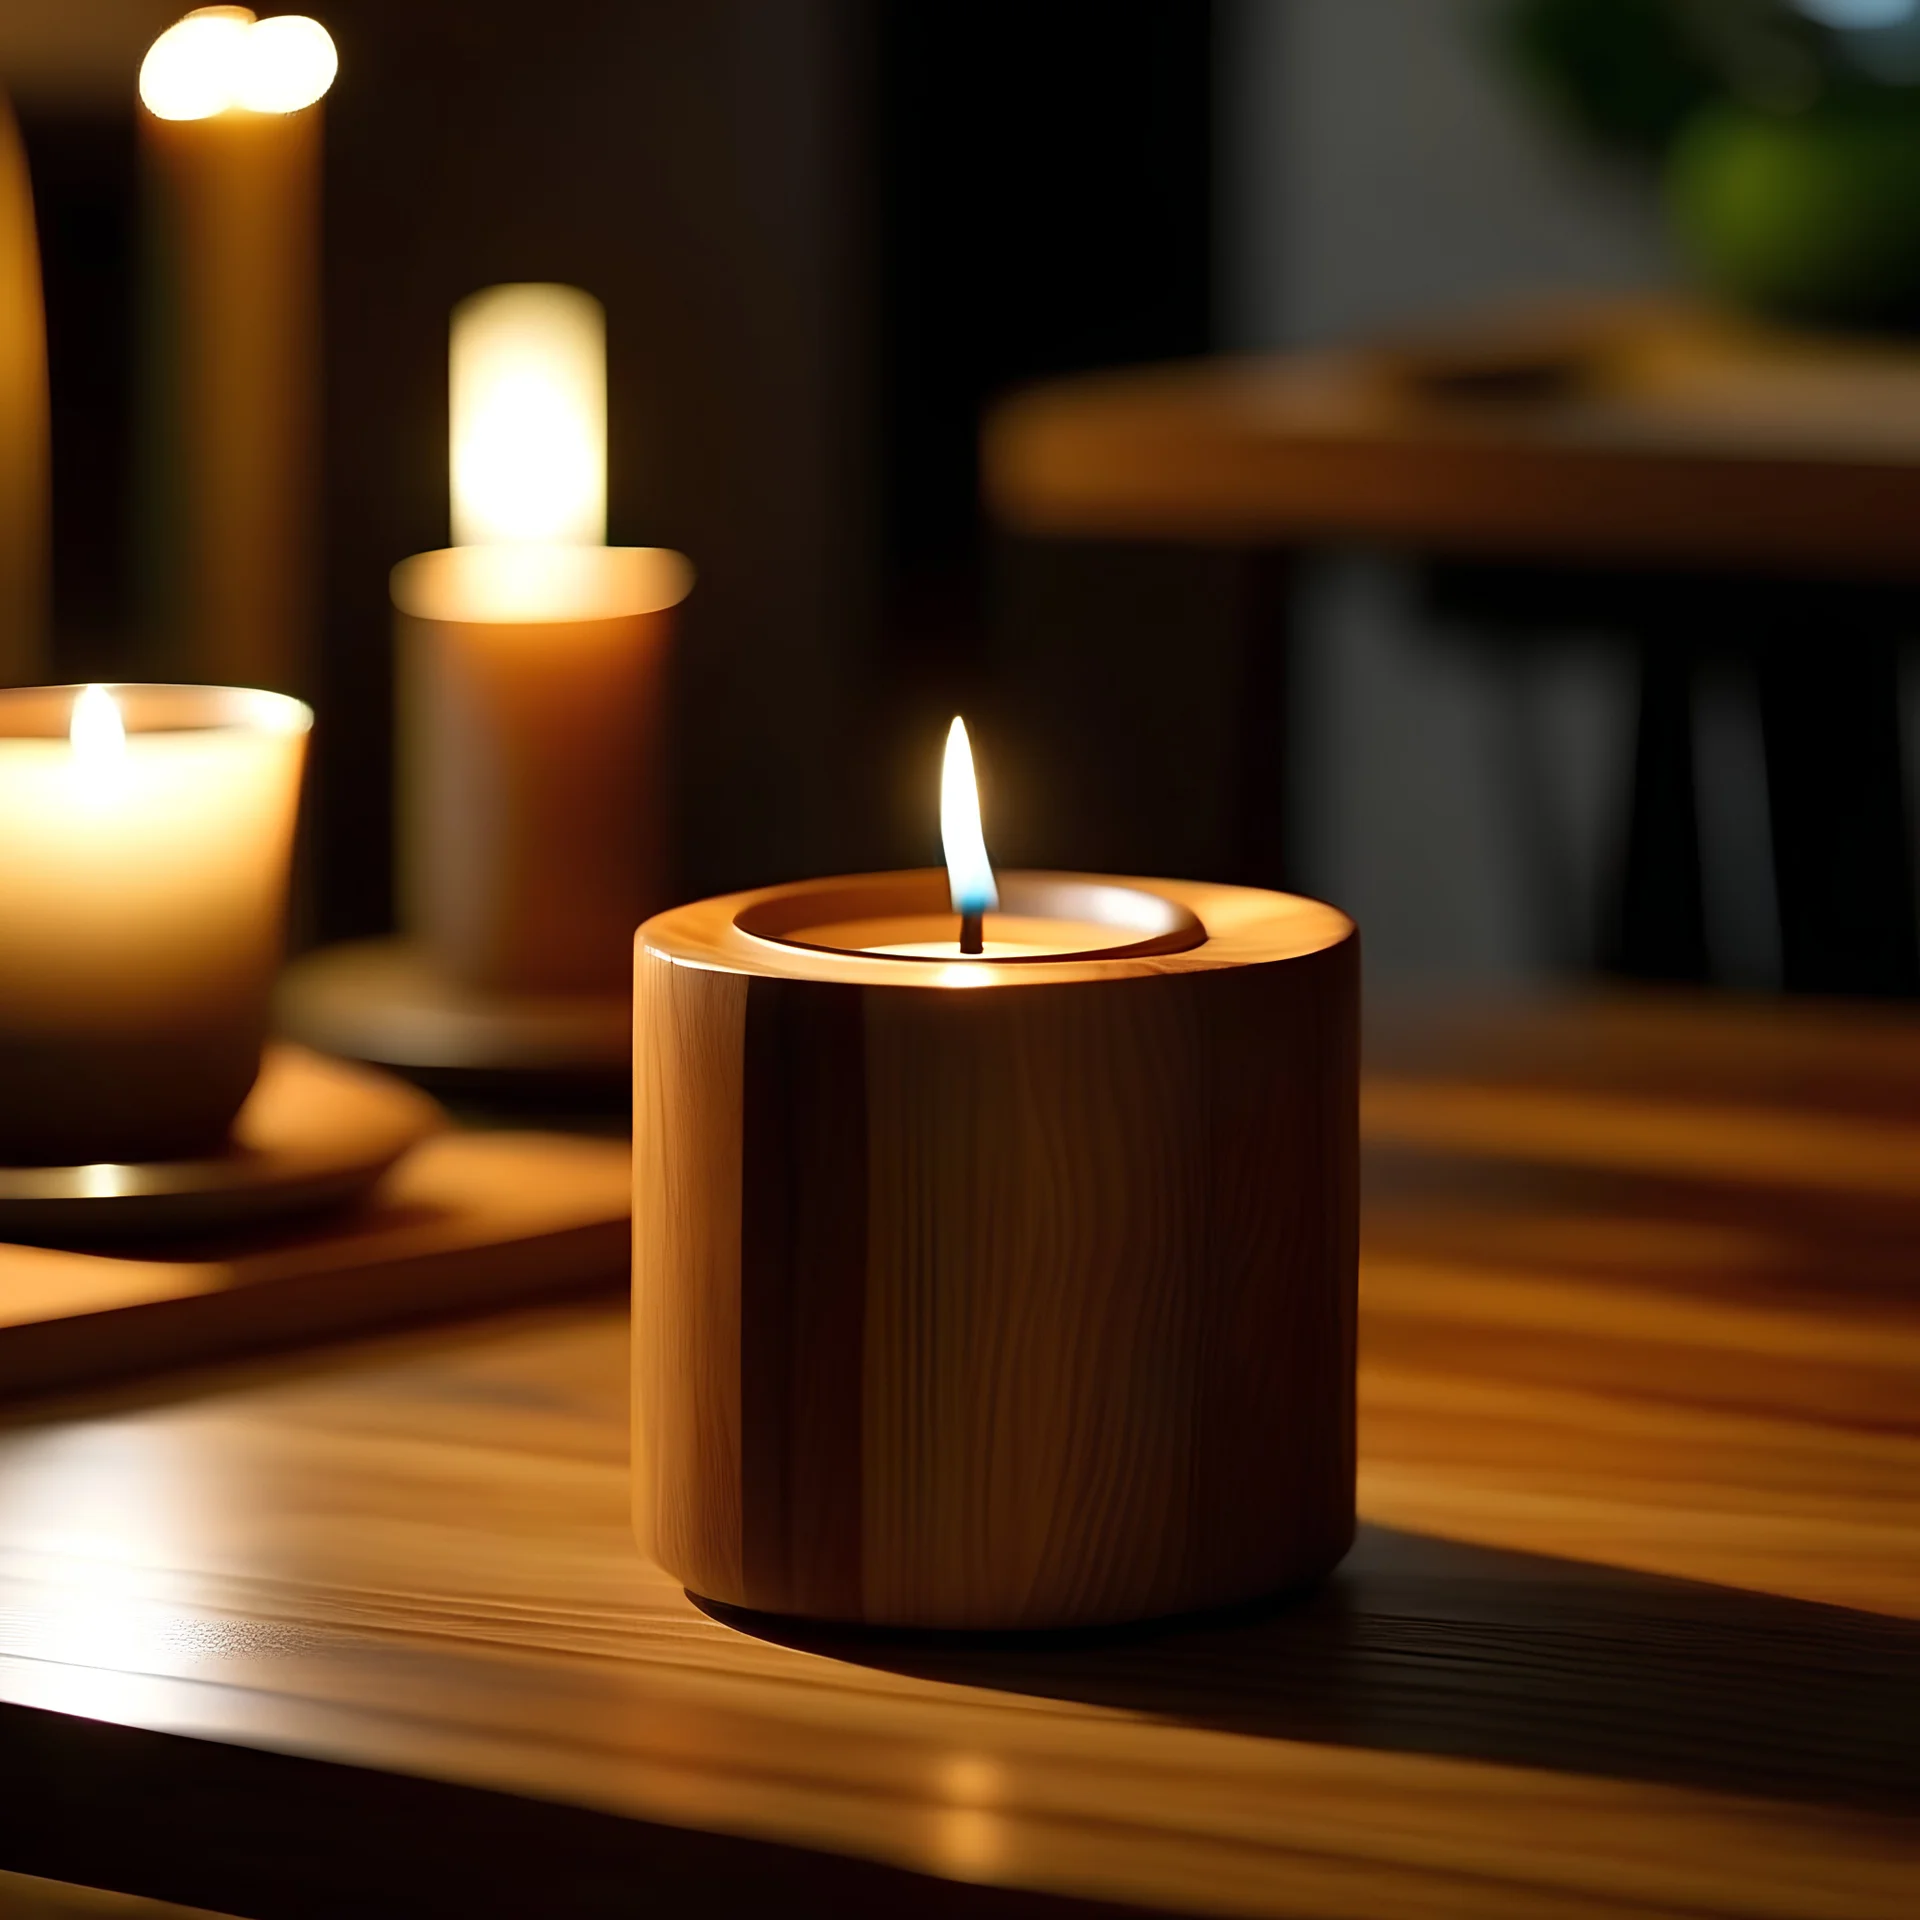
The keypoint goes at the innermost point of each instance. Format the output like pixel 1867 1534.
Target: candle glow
pixel 528 417
pixel 969 871
pixel 145 836
pixel 216 58
pixel 96 733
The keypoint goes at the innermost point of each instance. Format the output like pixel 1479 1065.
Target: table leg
pixel 1829 711
pixel 1661 932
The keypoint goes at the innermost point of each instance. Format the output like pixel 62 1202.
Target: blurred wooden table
pixel 1702 483
pixel 1630 432
pixel 1633 1626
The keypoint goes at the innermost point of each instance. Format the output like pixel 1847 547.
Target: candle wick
pixel 971 920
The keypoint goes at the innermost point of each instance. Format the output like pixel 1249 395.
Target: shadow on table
pixel 1422 1645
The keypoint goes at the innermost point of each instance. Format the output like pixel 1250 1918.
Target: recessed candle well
pixel 145 838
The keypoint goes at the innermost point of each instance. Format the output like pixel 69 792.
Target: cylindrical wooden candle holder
pixel 1010 1293
pixel 532 738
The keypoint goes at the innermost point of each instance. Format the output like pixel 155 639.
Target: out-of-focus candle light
pixel 532 663
pixel 528 417
pixel 144 848
pixel 221 57
pixel 230 133
pixel 24 447
pixel 97 735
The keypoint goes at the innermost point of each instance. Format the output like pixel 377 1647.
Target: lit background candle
pixel 532 670
pixel 1000 1291
pixel 23 421
pixel 230 135
pixel 145 839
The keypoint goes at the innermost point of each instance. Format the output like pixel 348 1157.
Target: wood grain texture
pixel 1632 1627
pixel 1656 432
pixel 689 1053
pixel 1037 1293
pixel 466 1221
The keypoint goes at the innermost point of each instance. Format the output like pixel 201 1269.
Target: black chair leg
pixel 1830 714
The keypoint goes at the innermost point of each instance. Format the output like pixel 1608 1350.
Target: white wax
pixel 146 891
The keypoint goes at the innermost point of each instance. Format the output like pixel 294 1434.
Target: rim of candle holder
pixel 539 584
pixel 152 706
pixel 313 1134
pixel 1158 924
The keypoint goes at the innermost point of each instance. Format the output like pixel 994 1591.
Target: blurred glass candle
pixel 230 136
pixel 532 664
pixel 145 839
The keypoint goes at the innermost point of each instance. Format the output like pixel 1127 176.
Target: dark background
pixel 825 235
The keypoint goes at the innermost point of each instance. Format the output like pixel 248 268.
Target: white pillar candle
pixel 145 840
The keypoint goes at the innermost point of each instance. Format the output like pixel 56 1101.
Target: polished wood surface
pixel 1023 1300
pixel 1632 1626
pixel 466 1221
pixel 1626 432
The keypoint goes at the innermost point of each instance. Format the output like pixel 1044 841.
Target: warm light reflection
pixel 289 64
pixel 969 872
pixel 96 732
pixel 221 57
pixel 108 1529
pixel 528 380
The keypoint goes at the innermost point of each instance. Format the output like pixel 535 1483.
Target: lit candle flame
pixel 969 872
pixel 96 732
pixel 528 380
pixel 220 57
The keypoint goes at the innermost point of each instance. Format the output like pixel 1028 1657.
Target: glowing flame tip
pixel 96 732
pixel 219 57
pixel 969 872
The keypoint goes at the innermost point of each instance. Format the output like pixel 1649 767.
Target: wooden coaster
pixel 467 1221
pixel 313 1133
pixel 386 1002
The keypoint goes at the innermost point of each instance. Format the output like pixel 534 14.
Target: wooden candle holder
pixel 1007 1296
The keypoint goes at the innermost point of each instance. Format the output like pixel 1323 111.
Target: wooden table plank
pixel 1631 1629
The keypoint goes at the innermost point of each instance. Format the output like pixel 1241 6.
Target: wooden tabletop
pixel 1633 1625
pixel 1640 432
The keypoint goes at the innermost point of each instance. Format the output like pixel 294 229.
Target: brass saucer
pixel 314 1132
pixel 385 1001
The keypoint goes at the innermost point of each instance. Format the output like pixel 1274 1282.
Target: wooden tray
pixel 467 1221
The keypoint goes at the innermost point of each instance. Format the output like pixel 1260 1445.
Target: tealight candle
pixel 145 839
pixel 994 1244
